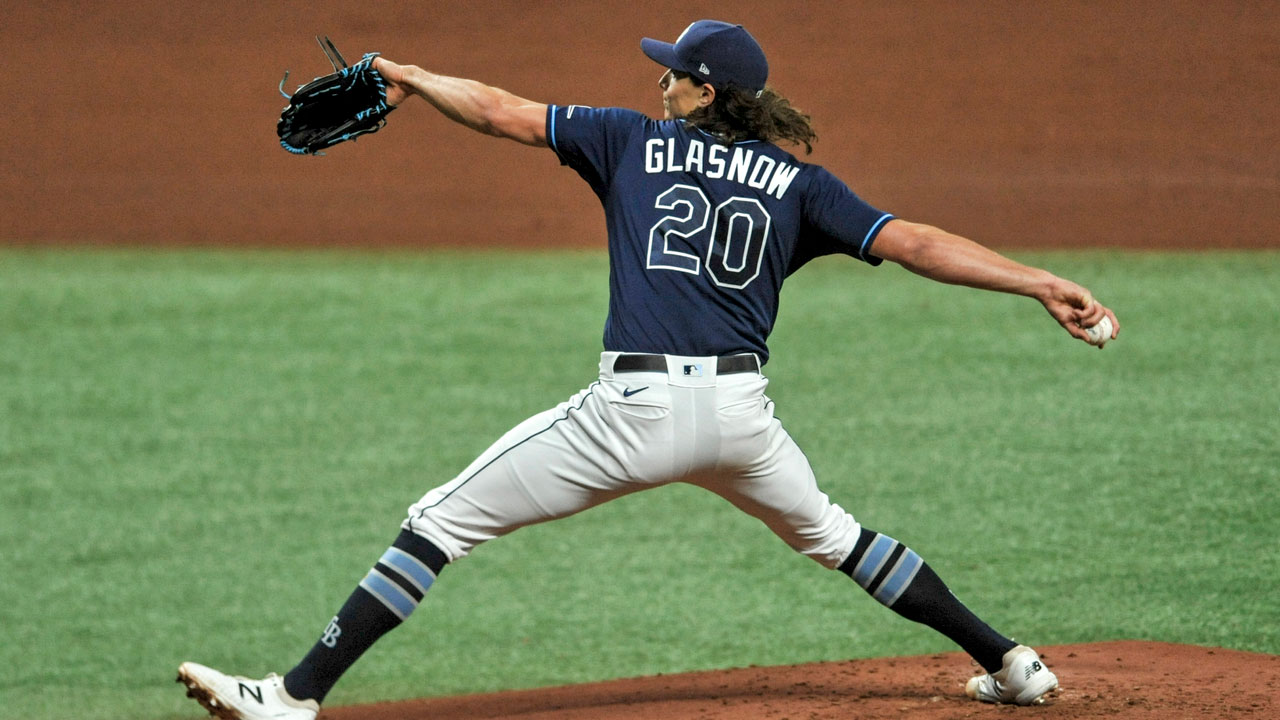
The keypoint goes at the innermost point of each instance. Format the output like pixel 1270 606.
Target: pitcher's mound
pixel 1132 680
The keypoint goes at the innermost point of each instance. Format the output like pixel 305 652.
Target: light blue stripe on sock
pixel 409 566
pixel 899 579
pixel 388 593
pixel 873 559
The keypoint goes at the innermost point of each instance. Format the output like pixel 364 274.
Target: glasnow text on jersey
pixel 738 164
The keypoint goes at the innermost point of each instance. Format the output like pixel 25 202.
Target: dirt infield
pixel 1066 124
pixel 1131 680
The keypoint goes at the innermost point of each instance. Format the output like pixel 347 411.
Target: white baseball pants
pixel 633 431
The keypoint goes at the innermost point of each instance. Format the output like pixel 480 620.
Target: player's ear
pixel 706 95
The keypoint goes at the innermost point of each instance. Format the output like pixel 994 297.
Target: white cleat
pixel 1023 680
pixel 239 698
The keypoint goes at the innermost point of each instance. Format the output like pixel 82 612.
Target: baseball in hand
pixel 1100 333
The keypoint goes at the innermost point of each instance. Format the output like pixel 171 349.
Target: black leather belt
pixel 658 363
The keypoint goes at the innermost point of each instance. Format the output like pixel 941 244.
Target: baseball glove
pixel 341 106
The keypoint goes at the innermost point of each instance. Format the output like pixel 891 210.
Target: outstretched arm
pixel 478 106
pixel 942 256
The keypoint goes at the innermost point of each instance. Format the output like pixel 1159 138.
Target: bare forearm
pixel 481 107
pixel 465 101
pixel 941 256
pixel 944 257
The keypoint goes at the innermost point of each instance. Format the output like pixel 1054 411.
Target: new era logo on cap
pixel 705 70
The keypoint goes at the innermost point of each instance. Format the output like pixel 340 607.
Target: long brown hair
pixel 738 114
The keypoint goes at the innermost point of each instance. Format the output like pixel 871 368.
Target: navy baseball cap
pixel 714 52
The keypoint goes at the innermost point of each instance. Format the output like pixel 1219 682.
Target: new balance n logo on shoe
pixel 255 693
pixel 1032 669
pixel 331 633
pixel 244 698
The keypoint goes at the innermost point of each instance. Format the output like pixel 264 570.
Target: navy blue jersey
pixel 701 233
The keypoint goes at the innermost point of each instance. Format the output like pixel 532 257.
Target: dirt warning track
pixel 1023 125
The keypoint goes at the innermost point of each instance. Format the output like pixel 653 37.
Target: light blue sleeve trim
pixel 871 235
pixel 551 128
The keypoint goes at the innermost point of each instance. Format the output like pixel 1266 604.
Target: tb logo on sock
pixel 331 633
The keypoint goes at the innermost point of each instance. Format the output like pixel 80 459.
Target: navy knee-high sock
pixel 382 600
pixel 896 576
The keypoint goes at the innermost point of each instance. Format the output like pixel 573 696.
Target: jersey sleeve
pixel 591 140
pixel 838 221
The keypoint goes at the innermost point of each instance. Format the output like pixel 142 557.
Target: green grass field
pixel 202 452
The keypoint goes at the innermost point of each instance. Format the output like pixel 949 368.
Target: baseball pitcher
pixel 707 215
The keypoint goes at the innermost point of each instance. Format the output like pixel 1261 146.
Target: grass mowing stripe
pixel 202 452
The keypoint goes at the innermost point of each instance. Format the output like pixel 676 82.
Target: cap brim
pixel 662 53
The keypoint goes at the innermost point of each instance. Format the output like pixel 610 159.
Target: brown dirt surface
pixel 1134 680
pixel 1149 123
